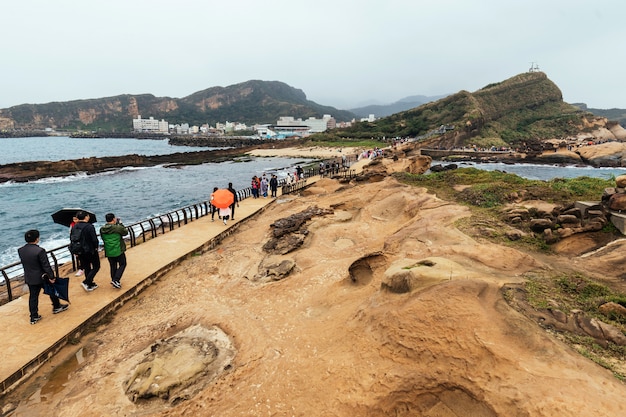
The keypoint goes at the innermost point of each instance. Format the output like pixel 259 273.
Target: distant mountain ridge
pixel 249 102
pixel 384 110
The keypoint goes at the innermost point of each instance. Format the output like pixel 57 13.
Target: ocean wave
pixel 55 180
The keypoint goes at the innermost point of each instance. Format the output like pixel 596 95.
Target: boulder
pixel 539 225
pixel 418 164
pixel 618 131
pixel 620 181
pixel 617 202
pixel 608 154
pixel 612 309
pixel 275 271
pixel 568 219
pixel 562 158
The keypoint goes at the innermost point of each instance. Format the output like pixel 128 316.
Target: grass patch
pixel 500 187
pixel 574 291
pixel 487 193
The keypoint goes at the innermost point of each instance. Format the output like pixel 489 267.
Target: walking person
pixel 88 252
pixel 235 201
pixel 112 234
pixel 79 271
pixel 264 186
pixel 213 208
pixel 254 186
pixel 273 185
pixel 37 268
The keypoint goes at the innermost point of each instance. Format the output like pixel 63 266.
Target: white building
pixel 321 125
pixel 314 125
pixel 150 125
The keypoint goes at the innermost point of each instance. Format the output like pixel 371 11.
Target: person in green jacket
pixel 112 234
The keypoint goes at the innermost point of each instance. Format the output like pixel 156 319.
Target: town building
pixel 288 126
pixel 150 125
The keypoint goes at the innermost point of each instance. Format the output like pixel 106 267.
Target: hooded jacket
pixel 112 236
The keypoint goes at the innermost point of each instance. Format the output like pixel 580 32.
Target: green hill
pixel 249 102
pixel 527 107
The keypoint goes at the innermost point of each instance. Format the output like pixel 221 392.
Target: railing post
pixel 153 228
pixel 7 281
pixel 133 238
pixel 171 221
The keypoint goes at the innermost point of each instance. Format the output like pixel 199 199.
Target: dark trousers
pixel 213 211
pixel 91 265
pixel 118 265
pixel 232 211
pixel 33 300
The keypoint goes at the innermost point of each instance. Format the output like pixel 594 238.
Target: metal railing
pixel 151 228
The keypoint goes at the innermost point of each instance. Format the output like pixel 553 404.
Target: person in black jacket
pixel 235 201
pixel 89 258
pixel 36 269
pixel 273 185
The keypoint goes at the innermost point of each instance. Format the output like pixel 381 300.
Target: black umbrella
pixel 65 216
pixel 60 288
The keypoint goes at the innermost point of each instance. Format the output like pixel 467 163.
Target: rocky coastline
pixel 610 154
pixel 34 170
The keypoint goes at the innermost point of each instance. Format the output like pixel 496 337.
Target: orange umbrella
pixel 222 198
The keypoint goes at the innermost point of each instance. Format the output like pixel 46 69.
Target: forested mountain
pixel 248 102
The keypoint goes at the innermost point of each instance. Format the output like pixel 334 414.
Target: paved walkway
pixel 25 347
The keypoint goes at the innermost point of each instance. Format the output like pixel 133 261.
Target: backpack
pixel 76 246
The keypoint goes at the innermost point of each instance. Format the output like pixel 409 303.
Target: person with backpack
pixel 112 235
pixel 84 243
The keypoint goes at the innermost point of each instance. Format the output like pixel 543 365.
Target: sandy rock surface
pixel 329 340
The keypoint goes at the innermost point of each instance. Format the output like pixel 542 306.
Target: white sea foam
pixel 54 180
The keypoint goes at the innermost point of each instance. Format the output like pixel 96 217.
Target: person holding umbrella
pixel 223 199
pixel 36 269
pixel 88 255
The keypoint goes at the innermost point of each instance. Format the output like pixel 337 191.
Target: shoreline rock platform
pixel 345 329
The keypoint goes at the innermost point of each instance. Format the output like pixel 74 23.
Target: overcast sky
pixel 341 53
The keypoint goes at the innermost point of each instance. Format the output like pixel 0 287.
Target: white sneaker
pixel 78 273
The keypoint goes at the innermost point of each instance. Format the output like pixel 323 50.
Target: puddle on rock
pixel 55 382
pixel 60 375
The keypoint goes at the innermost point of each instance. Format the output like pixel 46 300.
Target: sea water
pixel 133 194
pixel 543 172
